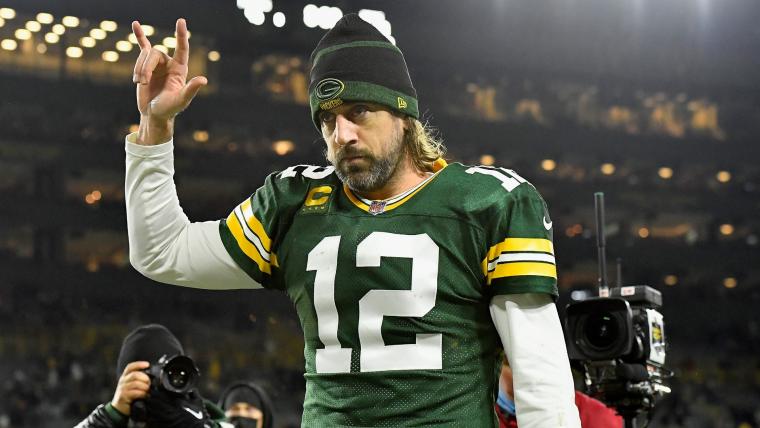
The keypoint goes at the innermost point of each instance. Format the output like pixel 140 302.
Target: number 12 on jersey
pixel 375 355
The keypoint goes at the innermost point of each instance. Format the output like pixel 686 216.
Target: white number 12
pixel 425 353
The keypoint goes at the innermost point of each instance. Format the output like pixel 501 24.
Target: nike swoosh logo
pixel 197 414
pixel 547 225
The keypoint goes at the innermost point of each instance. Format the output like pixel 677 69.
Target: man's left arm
pixel 531 334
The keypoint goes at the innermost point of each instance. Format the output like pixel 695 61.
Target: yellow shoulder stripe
pixel 520 245
pixel 522 268
pixel 255 225
pixel 245 245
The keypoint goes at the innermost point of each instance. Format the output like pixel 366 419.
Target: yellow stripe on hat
pixel 245 245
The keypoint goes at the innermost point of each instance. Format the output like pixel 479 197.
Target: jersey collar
pixel 381 206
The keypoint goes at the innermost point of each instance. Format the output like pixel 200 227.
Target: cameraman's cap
pixel 147 343
pixel 355 62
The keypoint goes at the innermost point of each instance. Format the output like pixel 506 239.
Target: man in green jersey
pixel 409 275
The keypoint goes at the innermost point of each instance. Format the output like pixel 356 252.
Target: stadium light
pixel 2 22
pixel 726 229
pixel 87 42
pixel 59 29
pixel 170 42
pixel 110 56
pixel 52 38
pixel 70 21
pixel 41 48
pixel 98 34
pixel 723 176
pixel 44 18
pixel 162 48
pixel 283 147
pixel 377 19
pixel 108 26
pixel 9 45
pixel 33 26
pixel 123 46
pixel 310 15
pixel 132 39
pixel 671 280
pixel 548 164
pixel 607 169
pixel 214 56
pixel 7 13
pixel 74 52
pixel 148 30
pixel 278 19
pixel 665 173
pixel 254 16
pixel 730 282
pixel 23 34
pixel 487 160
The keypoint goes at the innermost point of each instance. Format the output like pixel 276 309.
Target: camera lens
pixel 601 330
pixel 179 375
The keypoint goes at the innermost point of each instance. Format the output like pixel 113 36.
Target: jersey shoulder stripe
pixel 520 256
pixel 250 236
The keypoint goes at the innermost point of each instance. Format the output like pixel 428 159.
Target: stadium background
pixel 654 103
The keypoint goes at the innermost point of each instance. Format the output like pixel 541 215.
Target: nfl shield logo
pixel 377 207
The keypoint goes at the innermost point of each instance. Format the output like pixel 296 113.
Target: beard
pixel 372 172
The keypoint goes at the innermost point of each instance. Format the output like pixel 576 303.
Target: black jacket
pixel 106 416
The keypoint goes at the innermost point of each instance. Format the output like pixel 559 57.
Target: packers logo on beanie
pixel 355 62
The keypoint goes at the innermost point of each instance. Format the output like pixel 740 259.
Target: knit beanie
pixel 147 343
pixel 355 62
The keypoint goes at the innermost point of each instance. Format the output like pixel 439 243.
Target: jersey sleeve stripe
pixel 521 257
pixel 522 269
pixel 255 225
pixel 521 245
pixel 244 244
pixel 250 235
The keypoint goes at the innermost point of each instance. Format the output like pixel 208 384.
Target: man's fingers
pixel 191 89
pixel 142 40
pixel 139 64
pixel 182 51
pixel 154 58
pixel 135 365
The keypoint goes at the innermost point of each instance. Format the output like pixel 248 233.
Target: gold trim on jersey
pixel 438 166
pixel 250 236
pixel 520 256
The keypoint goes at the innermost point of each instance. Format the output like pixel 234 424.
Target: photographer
pixel 593 413
pixel 142 399
pixel 246 405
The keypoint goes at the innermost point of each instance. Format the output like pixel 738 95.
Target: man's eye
pixel 326 117
pixel 360 109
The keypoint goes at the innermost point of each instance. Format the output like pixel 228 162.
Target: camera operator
pixel 593 413
pixel 141 398
pixel 247 405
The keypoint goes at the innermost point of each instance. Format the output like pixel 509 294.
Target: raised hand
pixel 162 87
pixel 133 385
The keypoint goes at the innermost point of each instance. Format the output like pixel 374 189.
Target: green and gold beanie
pixel 355 62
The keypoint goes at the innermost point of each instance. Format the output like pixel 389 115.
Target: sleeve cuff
pixel 118 418
pixel 147 151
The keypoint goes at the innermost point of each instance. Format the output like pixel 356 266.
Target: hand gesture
pixel 162 89
pixel 133 385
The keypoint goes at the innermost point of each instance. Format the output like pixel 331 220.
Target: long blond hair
pixel 422 143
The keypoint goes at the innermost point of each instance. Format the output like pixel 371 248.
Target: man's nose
pixel 345 131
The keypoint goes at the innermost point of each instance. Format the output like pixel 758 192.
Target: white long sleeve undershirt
pixel 166 247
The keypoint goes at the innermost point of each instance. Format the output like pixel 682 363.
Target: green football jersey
pixel 393 296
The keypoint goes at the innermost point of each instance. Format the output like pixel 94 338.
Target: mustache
pixel 350 151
